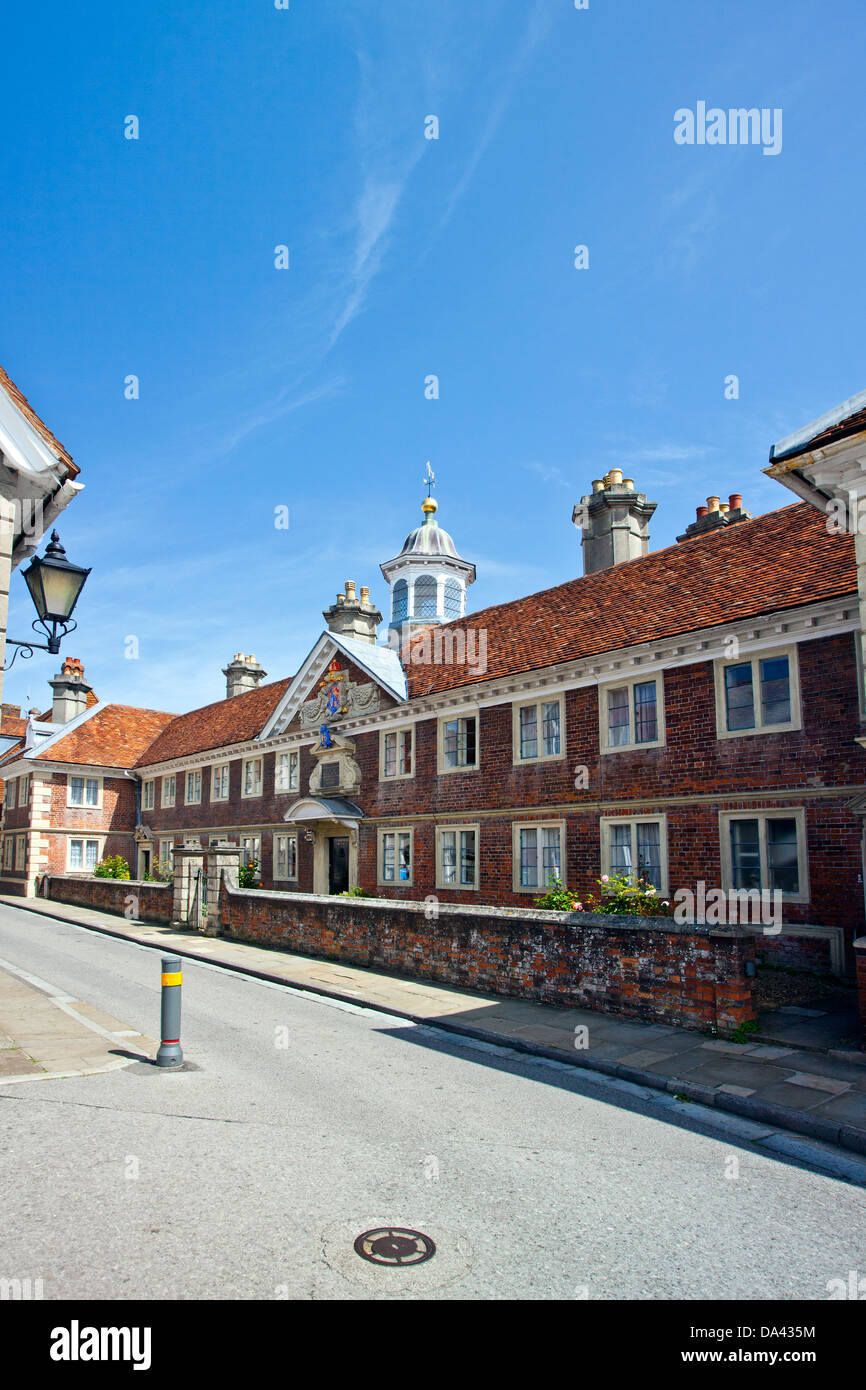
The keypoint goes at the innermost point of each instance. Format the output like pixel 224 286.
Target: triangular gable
pixel 381 664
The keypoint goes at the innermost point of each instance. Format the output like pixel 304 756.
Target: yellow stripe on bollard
pixel 173 979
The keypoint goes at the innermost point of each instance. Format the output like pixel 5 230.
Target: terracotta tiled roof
pixel 115 736
pixel 38 424
pixel 216 725
pixel 12 721
pixel 781 560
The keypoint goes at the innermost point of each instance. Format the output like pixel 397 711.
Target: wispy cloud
pixel 548 472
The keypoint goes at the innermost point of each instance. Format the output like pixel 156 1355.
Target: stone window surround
pixel 293 765
pixel 552 823
pixel 217 768
pixel 85 838
pixel 84 805
pixel 719 667
pixel 628 683
pixel 457 885
pixel 258 782
pixel 396 831
pixel 289 878
pixel 399 730
pixel 795 813
pixel 661 820
pixel 469 712
pixel 193 800
pixel 164 800
pixel 148 794
pixel 516 707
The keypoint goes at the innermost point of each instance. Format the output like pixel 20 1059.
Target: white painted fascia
pixel 315 663
pixel 793 443
pixel 59 731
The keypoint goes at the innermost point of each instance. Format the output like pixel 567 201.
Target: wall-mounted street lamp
pixel 55 585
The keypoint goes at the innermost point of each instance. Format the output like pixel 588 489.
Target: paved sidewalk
pixel 815 1093
pixel 45 1035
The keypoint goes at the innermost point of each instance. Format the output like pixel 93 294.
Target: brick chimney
pixel 614 520
pixel 70 691
pixel 716 515
pixel 243 673
pixel 352 616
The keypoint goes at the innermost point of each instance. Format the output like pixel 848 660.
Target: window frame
pixel 552 823
pixel 192 800
pixel 755 658
pixel 287 878
pixel 148 794
pixel 217 768
pixel 475 828
pixel 629 683
pixel 11 790
pixel 517 706
pixel 605 823
pixel 8 851
pixel 21 854
pixel 251 796
pixel 400 730
pixel 293 758
pixel 444 719
pixel 256 854
pixel 83 804
pixel 161 858
pixel 395 882
pixel 98 840
pixel 762 815
pixel 164 802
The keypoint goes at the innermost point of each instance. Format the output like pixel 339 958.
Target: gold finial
pixel 429 506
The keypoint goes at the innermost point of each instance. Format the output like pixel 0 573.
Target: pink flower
pixel 605 878
pixel 577 907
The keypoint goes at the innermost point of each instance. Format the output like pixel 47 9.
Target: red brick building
pixel 693 713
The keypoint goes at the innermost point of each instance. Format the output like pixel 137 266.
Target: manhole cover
pixel 394 1245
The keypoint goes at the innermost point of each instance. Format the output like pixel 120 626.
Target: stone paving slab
pixel 47 1035
pixel 754 1080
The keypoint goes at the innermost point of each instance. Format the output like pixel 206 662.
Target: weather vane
pixel 429 479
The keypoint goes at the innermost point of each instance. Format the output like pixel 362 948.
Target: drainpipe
pixel 137 821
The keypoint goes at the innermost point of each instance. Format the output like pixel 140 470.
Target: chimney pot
pixel 365 593
pixel 713 504
pixel 598 484
pixel 350 591
pixel 629 483
pixel 701 511
pixel 735 501
pixel 615 477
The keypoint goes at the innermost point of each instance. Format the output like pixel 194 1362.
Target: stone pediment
pixel 338 697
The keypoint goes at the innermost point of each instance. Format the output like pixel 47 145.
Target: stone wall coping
pixel 484 913
pixel 91 878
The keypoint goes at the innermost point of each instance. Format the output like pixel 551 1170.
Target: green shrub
pixel 113 866
pixel 558 898
pixel 247 873
pixel 355 893
pixel 623 895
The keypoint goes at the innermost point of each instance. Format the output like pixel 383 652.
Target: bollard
pixel 170 1054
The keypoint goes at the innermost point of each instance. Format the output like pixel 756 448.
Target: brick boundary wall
pixel 110 894
pixel 640 967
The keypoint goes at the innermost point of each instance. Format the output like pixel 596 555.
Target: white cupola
pixel 428 579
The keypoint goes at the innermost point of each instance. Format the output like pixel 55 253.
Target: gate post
pixel 187 868
pixel 221 865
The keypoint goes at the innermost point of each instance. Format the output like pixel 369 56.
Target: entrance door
pixel 143 863
pixel 338 863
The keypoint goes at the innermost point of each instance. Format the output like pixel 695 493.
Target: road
pixel 308 1122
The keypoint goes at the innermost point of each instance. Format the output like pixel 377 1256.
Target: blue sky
pixel 304 388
